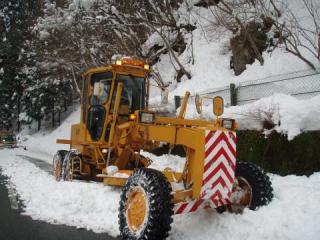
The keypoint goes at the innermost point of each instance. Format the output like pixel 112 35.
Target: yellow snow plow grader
pixel 116 124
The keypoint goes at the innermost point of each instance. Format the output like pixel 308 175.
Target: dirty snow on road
pixel 86 205
pixel 293 214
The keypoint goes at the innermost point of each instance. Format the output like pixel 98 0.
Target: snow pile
pixel 166 161
pixel 94 206
pixel 289 115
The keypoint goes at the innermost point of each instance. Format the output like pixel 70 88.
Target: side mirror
pixel 218 106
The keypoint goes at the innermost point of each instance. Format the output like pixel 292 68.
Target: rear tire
pixel 150 219
pixel 58 160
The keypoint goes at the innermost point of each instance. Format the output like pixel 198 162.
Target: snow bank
pixel 292 215
pixel 289 115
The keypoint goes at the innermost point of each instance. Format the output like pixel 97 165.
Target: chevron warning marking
pixel 219 172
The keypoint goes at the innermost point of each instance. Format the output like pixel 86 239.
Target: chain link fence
pixel 301 84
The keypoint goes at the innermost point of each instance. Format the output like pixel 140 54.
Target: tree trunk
pixel 52 118
pixel 39 124
pixel 75 80
pixel 319 46
pixel 59 117
pixel 19 110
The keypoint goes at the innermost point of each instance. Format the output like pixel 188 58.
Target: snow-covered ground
pixel 293 213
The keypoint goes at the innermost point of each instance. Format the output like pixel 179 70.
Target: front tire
pixel 252 188
pixel 146 206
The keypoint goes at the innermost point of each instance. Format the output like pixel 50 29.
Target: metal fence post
pixel 177 102
pixel 233 94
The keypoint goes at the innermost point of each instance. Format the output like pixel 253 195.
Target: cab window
pixel 133 92
pixel 103 82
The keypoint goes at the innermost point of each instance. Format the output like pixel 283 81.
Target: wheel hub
pixel 136 209
pixel 241 196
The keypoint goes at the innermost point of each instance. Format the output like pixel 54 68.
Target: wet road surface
pixel 38 162
pixel 14 226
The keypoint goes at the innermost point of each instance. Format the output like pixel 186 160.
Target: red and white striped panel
pixel 218 175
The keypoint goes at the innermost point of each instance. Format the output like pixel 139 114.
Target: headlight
pixel 146 117
pixel 227 123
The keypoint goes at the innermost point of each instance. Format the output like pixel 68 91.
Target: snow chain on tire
pixel 58 159
pixel 67 173
pixel 159 201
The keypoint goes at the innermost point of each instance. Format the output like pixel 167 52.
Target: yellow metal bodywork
pixel 127 137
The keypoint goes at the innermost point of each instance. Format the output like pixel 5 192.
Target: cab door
pixel 99 97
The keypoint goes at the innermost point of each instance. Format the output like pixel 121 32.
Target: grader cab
pixel 116 125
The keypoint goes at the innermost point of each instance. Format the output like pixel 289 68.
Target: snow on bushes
pixel 282 113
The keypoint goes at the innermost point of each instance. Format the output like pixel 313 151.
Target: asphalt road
pixel 14 226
